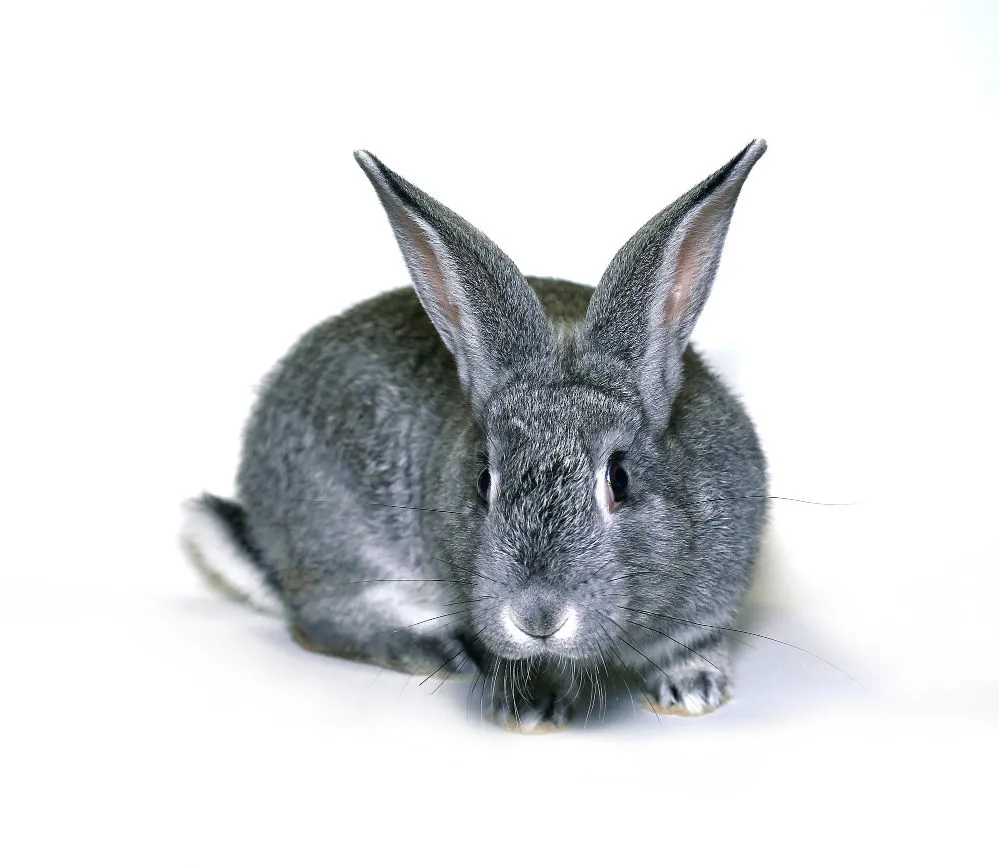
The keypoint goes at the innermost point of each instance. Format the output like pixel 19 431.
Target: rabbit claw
pixel 688 692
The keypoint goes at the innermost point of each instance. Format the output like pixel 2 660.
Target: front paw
pixel 528 714
pixel 688 691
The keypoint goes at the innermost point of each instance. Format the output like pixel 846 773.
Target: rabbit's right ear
pixel 483 308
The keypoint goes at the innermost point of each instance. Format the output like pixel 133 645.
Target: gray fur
pixel 361 459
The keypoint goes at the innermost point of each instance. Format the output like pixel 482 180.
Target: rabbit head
pixel 565 490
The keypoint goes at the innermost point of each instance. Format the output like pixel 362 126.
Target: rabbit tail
pixel 216 535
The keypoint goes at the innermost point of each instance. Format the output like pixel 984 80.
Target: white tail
pixel 225 563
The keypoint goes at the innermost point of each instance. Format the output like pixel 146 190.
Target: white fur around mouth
pixel 563 633
pixel 513 631
pixel 568 627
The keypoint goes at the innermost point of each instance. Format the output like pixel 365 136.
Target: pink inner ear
pixel 694 255
pixel 423 248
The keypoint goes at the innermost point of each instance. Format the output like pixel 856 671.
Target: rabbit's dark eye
pixel 617 481
pixel 483 483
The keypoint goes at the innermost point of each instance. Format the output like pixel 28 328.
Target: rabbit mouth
pixel 540 633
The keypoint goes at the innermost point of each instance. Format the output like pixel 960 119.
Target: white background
pixel 178 202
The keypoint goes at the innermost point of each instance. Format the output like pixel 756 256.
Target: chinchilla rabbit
pixel 527 480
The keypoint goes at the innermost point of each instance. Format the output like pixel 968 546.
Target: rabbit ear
pixel 648 300
pixel 488 316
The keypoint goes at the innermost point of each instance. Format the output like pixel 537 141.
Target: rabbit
pixel 529 480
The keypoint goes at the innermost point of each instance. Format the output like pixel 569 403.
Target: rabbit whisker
pixel 574 680
pixel 416 580
pixel 593 695
pixel 466 601
pixel 762 497
pixel 745 632
pixel 671 638
pixel 639 652
pixel 463 569
pixel 454 670
pixel 497 664
pixel 439 667
pixel 631 669
pixel 471 692
pixel 322 502
pixel 414 508
pixel 428 620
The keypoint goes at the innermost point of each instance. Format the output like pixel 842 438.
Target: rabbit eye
pixel 617 482
pixel 483 484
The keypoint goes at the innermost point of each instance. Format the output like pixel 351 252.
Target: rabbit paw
pixel 688 692
pixel 529 715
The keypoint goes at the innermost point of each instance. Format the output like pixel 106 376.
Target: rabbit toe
pixel 689 692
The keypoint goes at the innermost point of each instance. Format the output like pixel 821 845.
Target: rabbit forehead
pixel 560 418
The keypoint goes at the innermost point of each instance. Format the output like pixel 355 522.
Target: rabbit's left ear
pixel 648 300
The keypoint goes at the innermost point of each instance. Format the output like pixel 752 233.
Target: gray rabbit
pixel 528 480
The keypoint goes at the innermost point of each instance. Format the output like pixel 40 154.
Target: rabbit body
pixel 540 494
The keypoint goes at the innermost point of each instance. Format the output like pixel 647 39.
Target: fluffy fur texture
pixel 214 532
pixel 362 469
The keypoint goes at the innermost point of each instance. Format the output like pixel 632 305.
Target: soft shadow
pixel 790 672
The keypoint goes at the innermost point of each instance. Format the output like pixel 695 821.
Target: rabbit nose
pixel 539 617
